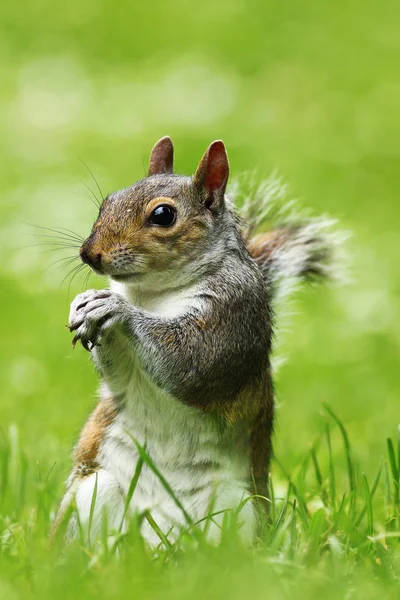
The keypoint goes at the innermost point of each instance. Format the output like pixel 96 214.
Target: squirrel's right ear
pixel 212 175
pixel 162 157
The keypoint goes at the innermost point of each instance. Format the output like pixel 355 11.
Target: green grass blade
pixel 398 447
pixel 210 513
pixel 293 533
pixel 368 505
pixel 92 509
pixel 394 471
pixel 316 536
pixel 148 461
pixel 303 512
pixel 104 532
pixel 318 476
pixel 373 490
pixel 388 498
pixel 276 526
pixel 338 515
pixel 272 509
pixel 332 478
pixel 349 458
pixel 157 530
pixel 131 490
pixel 4 471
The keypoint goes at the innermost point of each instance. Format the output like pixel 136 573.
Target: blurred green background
pixel 309 88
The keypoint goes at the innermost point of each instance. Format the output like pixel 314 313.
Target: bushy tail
pixel 306 251
pixel 296 247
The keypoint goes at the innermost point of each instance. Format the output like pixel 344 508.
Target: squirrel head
pixel 165 225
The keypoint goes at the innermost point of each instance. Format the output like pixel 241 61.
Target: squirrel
pixel 182 342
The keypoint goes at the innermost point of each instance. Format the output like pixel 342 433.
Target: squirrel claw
pixel 82 305
pixel 85 344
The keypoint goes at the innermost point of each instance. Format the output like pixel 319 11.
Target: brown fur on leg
pixel 92 436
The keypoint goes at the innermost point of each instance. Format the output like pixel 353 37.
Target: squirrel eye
pixel 163 216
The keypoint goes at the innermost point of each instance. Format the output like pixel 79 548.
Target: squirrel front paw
pixel 93 313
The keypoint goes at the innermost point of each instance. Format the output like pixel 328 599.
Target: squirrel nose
pixel 91 259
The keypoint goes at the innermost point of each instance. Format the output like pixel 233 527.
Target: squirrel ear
pixel 162 157
pixel 212 174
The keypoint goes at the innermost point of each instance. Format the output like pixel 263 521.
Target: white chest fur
pixel 170 304
pixel 189 449
pixel 196 455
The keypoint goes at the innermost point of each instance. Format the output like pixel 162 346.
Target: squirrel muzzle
pixel 91 256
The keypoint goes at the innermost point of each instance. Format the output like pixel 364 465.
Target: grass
pixel 307 88
pixel 319 539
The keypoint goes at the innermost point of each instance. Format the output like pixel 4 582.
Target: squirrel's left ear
pixel 162 157
pixel 212 175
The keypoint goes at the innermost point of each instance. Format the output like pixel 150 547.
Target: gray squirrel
pixel 182 343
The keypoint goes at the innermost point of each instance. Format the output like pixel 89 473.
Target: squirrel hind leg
pixel 95 497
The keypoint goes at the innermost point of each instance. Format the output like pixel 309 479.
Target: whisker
pixel 59 231
pixel 63 239
pixel 73 270
pixel 60 237
pixel 57 244
pixel 72 274
pixel 67 260
pixel 92 197
pixel 58 250
pixel 86 280
pixel 68 233
pixel 96 203
pixel 94 179
pixel 54 246
pixel 77 272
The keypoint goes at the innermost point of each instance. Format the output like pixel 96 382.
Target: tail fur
pixel 296 247
pixel 306 251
